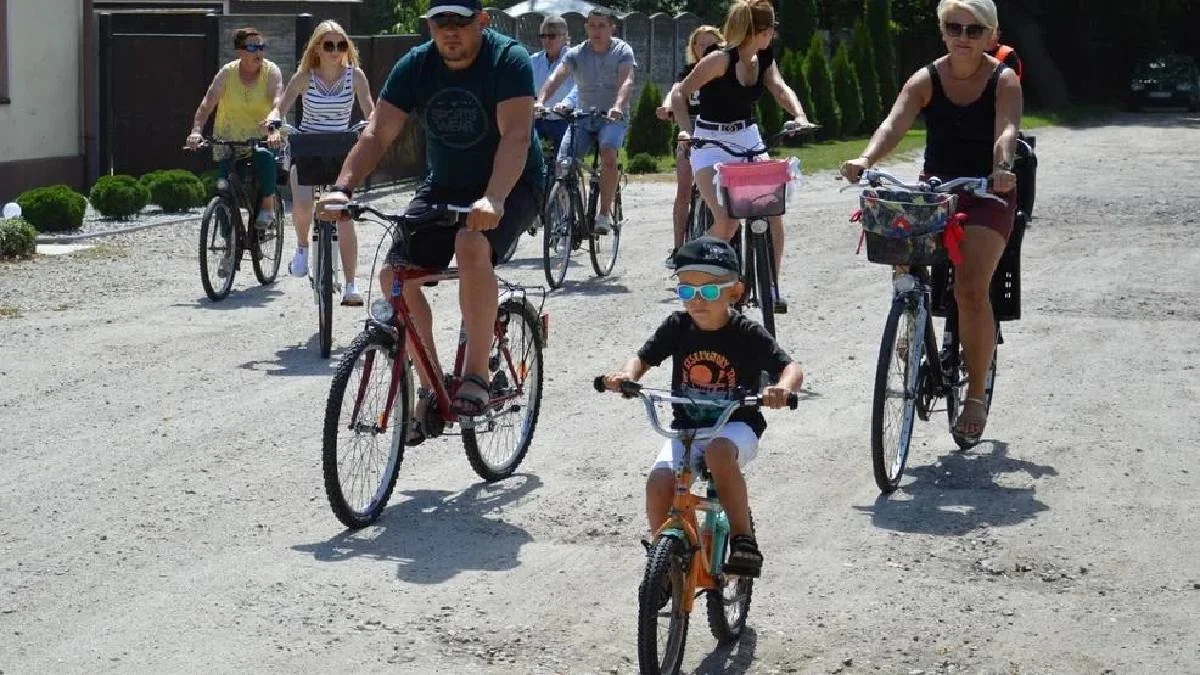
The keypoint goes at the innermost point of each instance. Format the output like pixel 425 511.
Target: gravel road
pixel 161 507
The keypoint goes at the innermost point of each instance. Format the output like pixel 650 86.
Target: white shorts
pixel 710 155
pixel 738 433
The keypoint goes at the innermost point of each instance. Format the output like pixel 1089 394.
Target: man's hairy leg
pixel 477 297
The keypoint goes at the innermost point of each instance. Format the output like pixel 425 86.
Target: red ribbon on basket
pixel 855 217
pixel 953 235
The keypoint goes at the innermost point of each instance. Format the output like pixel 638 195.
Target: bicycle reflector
pixel 381 311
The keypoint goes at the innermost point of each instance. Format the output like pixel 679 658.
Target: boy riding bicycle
pixel 714 351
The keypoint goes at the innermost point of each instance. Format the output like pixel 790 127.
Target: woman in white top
pixel 329 79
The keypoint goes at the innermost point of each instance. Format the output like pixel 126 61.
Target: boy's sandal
pixel 972 417
pixel 468 404
pixel 744 557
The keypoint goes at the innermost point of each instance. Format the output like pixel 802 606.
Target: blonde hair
pixel 746 19
pixel 312 57
pixel 690 57
pixel 983 10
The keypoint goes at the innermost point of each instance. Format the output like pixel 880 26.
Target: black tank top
pixel 725 100
pixel 960 139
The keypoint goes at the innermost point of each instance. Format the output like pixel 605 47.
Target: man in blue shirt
pixel 473 89
pixel 555 38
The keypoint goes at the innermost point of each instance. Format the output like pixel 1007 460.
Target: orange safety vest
pixel 1003 52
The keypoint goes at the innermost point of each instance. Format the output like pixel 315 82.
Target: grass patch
pixel 9 312
pixel 1074 115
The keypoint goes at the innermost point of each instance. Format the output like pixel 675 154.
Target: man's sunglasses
pixel 974 31
pixel 549 36
pixel 255 48
pixel 445 21
pixel 709 292
pixel 341 46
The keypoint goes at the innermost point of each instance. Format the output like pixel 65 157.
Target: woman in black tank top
pixel 730 82
pixel 972 107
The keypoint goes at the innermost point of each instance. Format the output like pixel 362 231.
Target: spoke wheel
pixel 603 248
pixel 359 458
pixel 218 249
pixel 662 633
pixel 700 220
pixel 896 389
pixel 729 604
pixel 267 245
pixel 325 287
pixel 763 279
pixel 497 441
pixel 558 222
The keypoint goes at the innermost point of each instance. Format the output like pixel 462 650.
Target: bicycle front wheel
pixel 764 278
pixel 896 388
pixel 325 287
pixel 497 441
pixel 267 246
pixel 603 248
pixel 218 249
pixel 729 603
pixel 558 222
pixel 663 626
pixel 700 218
pixel 360 455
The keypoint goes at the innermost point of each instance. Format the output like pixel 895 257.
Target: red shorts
pixel 990 213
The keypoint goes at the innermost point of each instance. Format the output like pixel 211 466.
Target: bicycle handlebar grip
pixel 598 384
pixel 793 401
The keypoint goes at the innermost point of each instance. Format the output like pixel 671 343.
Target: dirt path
pixel 161 507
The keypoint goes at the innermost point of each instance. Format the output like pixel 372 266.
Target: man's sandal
pixel 467 403
pixel 969 420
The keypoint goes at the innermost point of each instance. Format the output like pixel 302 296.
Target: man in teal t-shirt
pixel 472 89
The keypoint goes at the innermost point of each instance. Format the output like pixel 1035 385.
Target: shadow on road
pixel 303 360
pixel 435 534
pixel 736 658
pixel 592 286
pixel 252 297
pixel 959 493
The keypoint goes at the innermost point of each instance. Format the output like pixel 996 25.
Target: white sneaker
pixel 352 297
pixel 603 223
pixel 299 265
pixel 264 220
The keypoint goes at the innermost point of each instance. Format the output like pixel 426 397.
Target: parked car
pixel 1172 81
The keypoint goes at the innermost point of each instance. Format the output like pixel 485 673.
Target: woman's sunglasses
pixel 709 292
pixel 445 21
pixel 341 46
pixel 255 48
pixel 974 31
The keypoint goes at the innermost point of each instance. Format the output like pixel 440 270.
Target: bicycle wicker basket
pixel 905 228
pixel 318 157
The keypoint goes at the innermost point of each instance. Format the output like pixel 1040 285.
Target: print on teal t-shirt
pixel 458 110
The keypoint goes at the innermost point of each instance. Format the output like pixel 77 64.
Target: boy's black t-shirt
pixel 709 364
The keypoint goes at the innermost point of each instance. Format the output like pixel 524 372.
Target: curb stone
pixel 71 238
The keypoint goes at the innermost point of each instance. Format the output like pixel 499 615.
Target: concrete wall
pixel 43 119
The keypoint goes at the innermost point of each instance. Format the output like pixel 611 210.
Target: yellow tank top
pixel 242 107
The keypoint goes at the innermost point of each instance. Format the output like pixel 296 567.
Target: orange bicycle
pixel 688 554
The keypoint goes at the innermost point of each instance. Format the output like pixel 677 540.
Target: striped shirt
pixel 328 108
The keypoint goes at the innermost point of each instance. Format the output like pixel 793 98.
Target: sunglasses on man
pixel 549 36
pixel 330 47
pixel 444 21
pixel 974 31
pixel 255 48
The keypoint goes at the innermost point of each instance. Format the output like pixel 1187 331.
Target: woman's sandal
pixel 466 405
pixel 966 420
pixel 744 558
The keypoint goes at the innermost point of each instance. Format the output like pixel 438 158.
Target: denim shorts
pixel 578 139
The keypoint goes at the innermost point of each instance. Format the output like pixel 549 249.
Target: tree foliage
pixel 825 108
pixel 863 57
pixel 846 89
pixel 878 15
pixel 797 22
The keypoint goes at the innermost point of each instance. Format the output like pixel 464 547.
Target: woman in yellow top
pixel 244 92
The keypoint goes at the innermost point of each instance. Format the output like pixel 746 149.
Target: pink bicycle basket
pixel 755 189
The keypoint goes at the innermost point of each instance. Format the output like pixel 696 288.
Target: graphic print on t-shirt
pixel 707 375
pixel 456 117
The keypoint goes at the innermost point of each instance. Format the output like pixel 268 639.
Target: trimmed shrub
pixel 643 163
pixel 176 190
pixel 863 56
pixel 647 133
pixel 119 197
pixel 18 239
pixel 54 208
pixel 209 179
pixel 845 85
pixel 879 23
pixel 825 109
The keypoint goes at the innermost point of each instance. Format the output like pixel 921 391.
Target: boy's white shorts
pixel 738 433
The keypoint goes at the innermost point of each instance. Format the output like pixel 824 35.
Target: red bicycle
pixel 370 406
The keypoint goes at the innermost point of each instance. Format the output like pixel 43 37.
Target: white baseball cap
pixel 459 7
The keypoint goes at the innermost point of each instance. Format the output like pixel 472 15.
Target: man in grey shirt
pixel 603 71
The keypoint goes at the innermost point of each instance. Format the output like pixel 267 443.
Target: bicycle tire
pixel 665 564
pixel 889 472
pixel 266 269
pixel 700 218
pixel 957 389
pixel 531 338
pixel 719 624
pixel 600 266
pixel 376 343
pixel 218 205
pixel 325 287
pixel 557 226
pixel 763 277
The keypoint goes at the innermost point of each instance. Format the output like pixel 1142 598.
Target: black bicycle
pixel 225 232
pixel 754 191
pixel 912 373
pixel 567 224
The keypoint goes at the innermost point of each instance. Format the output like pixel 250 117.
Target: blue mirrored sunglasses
pixel 709 292
pixel 255 48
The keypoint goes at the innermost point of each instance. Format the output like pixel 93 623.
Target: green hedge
pixel 18 239
pixel 863 56
pixel 647 133
pixel 176 190
pixel 643 163
pixel 118 196
pixel 849 98
pixel 54 208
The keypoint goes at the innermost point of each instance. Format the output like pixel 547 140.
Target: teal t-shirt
pixel 458 110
